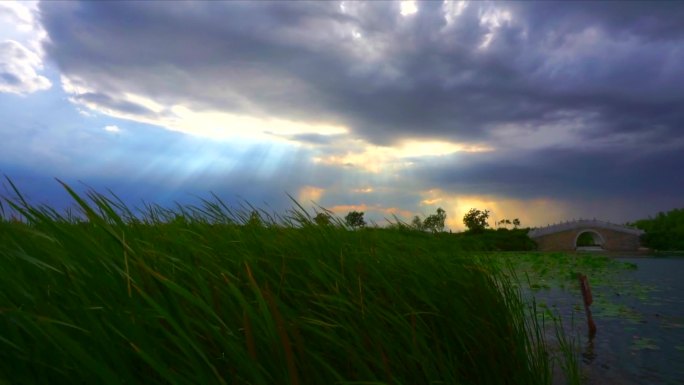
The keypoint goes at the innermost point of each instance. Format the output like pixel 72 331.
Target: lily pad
pixel 643 343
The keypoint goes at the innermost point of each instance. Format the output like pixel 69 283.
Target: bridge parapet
pixel 582 223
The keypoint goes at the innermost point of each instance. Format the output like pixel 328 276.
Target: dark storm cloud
pixel 410 76
pixel 565 174
pixel 611 69
pixel 641 19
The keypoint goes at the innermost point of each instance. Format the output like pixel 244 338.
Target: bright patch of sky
pixel 112 128
pixel 408 7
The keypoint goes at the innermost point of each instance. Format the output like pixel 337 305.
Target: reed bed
pixel 209 294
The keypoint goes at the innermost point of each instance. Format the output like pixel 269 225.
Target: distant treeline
pixel 501 239
pixel 664 232
pixel 496 240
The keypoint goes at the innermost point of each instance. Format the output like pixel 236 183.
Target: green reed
pixel 208 294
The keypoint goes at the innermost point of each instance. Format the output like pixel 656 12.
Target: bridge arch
pixel 595 235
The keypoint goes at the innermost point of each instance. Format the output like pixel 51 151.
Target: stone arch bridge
pixel 607 236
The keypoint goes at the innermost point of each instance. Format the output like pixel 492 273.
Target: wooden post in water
pixel 586 295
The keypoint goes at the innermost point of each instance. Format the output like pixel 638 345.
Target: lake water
pixel 640 324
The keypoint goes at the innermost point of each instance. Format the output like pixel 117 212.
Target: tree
pixel 665 231
pixel 435 222
pixel 476 220
pixel 322 219
pixel 354 219
pixel 516 223
pixel 254 219
pixel 417 223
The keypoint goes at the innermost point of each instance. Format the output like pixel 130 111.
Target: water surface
pixel 640 320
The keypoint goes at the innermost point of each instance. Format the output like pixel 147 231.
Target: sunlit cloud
pixel 18 69
pixel 430 202
pixel 21 55
pixel 417 148
pixel 19 21
pixel 309 194
pixel 206 123
pixel 376 159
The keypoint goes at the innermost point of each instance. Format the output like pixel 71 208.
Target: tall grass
pixel 209 294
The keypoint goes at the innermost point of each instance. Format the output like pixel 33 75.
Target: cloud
pixel 315 139
pixel 360 155
pixel 612 184
pixel 20 54
pixel 421 75
pixel 112 128
pixel 18 66
pixel 514 100
pixel 107 103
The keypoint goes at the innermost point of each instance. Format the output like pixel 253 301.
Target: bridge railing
pixel 581 223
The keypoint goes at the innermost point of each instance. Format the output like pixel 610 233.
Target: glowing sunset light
pixel 528 211
pixel 309 194
pixel 365 190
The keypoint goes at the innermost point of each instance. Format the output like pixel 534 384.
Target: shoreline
pixel 644 253
pixel 632 254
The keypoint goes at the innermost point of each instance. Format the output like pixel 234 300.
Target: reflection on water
pixel 640 321
pixel 588 355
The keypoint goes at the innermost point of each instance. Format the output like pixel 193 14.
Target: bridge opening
pixel 588 240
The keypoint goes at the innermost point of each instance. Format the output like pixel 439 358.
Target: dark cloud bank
pixel 606 77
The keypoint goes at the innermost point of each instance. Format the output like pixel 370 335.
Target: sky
pixel 542 111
